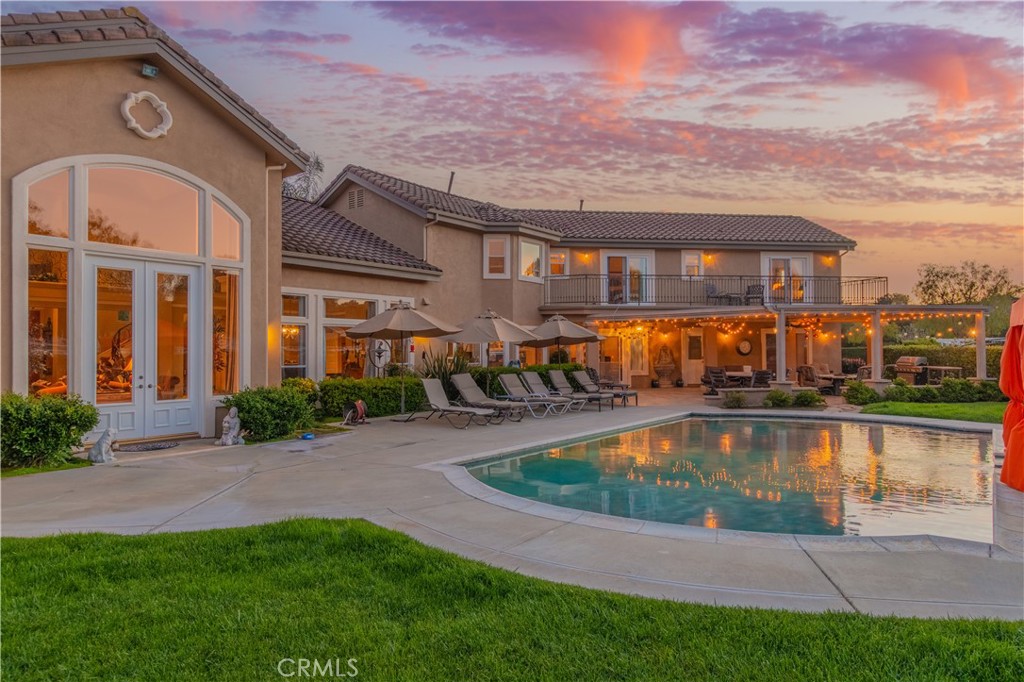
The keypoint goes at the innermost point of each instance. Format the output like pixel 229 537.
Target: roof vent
pixel 355 198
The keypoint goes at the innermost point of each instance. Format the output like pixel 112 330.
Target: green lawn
pixel 25 471
pixel 972 412
pixel 230 604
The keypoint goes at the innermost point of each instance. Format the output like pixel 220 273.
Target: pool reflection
pixel 821 478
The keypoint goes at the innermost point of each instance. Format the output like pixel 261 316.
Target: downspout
pixel 266 285
pixel 431 223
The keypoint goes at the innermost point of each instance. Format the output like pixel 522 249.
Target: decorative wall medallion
pixel 134 98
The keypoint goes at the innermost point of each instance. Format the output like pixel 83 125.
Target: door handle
pixel 148 386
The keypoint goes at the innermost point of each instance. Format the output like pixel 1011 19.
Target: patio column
pixel 876 381
pixel 980 351
pixel 780 382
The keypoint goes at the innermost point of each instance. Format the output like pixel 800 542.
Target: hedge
pixel 43 430
pixel 950 391
pixel 382 395
pixel 949 356
pixel 487 377
pixel 269 412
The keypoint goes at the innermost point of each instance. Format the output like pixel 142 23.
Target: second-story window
pixel 558 262
pixel 693 264
pixel 530 268
pixel 496 257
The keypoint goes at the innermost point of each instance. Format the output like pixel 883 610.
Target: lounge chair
pixel 717 378
pixel 537 406
pixel 806 375
pixel 537 388
pixel 590 387
pixel 563 387
pixel 761 378
pixel 473 396
pixel 438 401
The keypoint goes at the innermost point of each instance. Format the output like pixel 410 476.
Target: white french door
pixel 693 354
pixel 143 348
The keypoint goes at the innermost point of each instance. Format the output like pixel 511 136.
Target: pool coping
pixel 454 470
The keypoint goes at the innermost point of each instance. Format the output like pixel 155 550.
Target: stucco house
pixel 151 265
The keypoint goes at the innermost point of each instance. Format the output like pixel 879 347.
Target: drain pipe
pixel 266 285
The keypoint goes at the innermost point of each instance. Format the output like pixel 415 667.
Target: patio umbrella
pixel 401 322
pixel 490 326
pixel 1011 382
pixel 559 330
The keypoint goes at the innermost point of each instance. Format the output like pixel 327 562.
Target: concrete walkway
pixel 400 476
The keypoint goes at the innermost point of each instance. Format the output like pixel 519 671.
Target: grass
pixel 25 471
pixel 991 413
pixel 230 604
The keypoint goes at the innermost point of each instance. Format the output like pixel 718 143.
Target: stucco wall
pixel 395 223
pixel 61 110
pixel 293 276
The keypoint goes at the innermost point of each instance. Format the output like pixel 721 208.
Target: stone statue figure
pixel 231 429
pixel 664 365
pixel 102 450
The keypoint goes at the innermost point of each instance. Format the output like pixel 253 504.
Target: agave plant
pixel 443 367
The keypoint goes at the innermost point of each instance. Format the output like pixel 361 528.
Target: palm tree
pixel 307 184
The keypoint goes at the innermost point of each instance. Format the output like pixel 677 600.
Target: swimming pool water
pixel 804 477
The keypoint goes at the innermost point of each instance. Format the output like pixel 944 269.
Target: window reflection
pixel 134 207
pixel 529 260
pixel 47 322
pixel 344 357
pixel 293 350
pixel 48 205
pixel 225 331
pixel 293 305
pixel 172 336
pixel 114 342
pixel 349 309
pixel 226 234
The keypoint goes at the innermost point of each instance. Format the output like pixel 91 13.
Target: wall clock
pixel 743 347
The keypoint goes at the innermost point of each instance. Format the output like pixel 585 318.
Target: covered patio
pixel 778 338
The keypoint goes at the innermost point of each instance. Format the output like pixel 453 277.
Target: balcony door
pixel 142 332
pixel 627 278
pixel 788 278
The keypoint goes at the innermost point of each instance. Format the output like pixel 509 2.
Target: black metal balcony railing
pixel 711 290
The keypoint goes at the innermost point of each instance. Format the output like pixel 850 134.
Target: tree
pixel 307 184
pixel 970 283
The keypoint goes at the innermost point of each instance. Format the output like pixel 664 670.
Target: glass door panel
pixel 637 279
pixel 616 279
pixel 779 273
pixel 172 337
pixel 115 336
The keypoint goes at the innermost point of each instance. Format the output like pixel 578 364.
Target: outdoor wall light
pixel 150 71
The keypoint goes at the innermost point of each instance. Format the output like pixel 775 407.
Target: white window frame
pixel 506 273
pixel 700 262
pixel 808 260
pixel 556 252
pixel 604 254
pixel 539 279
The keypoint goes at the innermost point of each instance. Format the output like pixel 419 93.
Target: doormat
pixel 146 447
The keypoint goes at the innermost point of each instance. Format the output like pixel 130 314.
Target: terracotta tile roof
pixel 685 227
pixel 106 25
pixel 309 228
pixel 430 199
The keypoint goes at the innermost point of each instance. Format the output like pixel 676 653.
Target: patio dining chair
pixel 760 378
pixel 439 405
pixel 755 292
pixel 806 375
pixel 717 378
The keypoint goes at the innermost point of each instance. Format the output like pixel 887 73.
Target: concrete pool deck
pixel 400 476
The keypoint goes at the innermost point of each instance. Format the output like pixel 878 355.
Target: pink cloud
pixel 351 68
pixel 626 38
pixel 439 51
pixel 269 36
pixel 295 56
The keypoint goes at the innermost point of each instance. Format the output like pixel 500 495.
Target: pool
pixel 802 477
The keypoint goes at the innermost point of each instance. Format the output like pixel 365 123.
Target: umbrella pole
pixel 402 367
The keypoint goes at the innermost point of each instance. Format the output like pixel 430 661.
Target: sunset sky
pixel 896 124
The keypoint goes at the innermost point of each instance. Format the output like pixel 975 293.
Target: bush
pixel 808 399
pixel 43 431
pixel 988 392
pixel 734 399
pixel 949 356
pixel 859 393
pixel 383 396
pixel 777 398
pixel 269 412
pixel 901 392
pixel 559 357
pixel 568 368
pixel 928 394
pixel 958 391
pixel 487 378
pixel 307 387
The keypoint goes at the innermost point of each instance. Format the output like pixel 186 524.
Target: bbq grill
pixel 913 369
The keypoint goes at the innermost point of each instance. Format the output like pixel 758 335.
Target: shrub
pixel 928 394
pixel 444 368
pixel 777 398
pixel 957 391
pixel 383 396
pixel 808 399
pixel 487 378
pixel 859 393
pixel 734 399
pixel 568 368
pixel 901 392
pixel 988 391
pixel 949 356
pixel 307 387
pixel 43 431
pixel 270 412
pixel 559 357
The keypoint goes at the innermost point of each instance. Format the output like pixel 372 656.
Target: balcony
pixel 710 290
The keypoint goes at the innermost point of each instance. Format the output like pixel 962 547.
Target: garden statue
pixel 231 429
pixel 102 451
pixel 664 365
